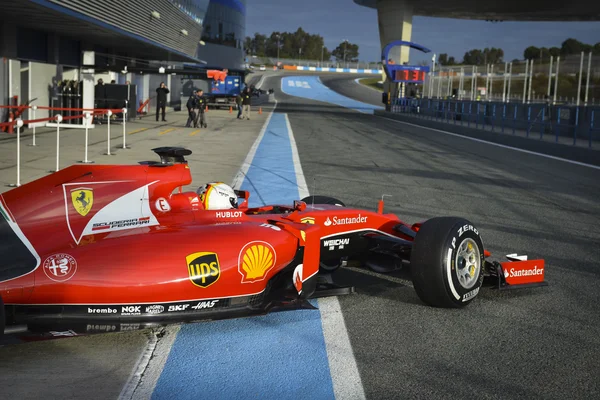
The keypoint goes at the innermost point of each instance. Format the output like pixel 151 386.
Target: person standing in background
pixel 246 102
pixel 238 101
pixel 192 105
pixel 201 105
pixel 161 100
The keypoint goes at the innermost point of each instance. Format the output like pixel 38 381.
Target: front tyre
pixel 447 262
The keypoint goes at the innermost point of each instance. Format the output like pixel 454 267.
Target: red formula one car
pixel 115 247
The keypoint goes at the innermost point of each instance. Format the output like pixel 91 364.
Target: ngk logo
pixel 131 310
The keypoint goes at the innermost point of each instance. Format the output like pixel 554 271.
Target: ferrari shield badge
pixel 82 199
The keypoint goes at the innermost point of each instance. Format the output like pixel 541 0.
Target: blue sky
pixel 343 19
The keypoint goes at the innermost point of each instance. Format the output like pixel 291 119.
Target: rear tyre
pixel 447 262
pixel 2 317
pixel 326 267
pixel 323 200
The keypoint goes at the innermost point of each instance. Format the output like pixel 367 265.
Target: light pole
pixel 299 54
pixel 345 42
pixel 322 48
pixel 277 51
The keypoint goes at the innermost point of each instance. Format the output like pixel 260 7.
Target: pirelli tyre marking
pixel 464 264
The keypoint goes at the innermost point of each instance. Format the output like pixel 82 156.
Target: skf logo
pixel 82 199
pixel 203 268
pixel 255 261
pixel 308 220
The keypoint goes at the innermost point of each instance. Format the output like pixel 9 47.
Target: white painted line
pixel 357 80
pixel 300 180
pixel 345 377
pixel 346 380
pixel 496 144
pixel 150 366
pixel 262 80
pixel 241 174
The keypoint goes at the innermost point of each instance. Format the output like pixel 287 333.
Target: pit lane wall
pixel 577 154
pixel 341 70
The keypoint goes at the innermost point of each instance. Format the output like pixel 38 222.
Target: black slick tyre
pixel 323 200
pixel 447 262
pixel 2 317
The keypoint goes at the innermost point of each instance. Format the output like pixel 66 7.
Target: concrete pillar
pixel 87 76
pixel 395 23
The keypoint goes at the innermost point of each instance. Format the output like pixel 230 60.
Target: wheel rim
pixel 468 263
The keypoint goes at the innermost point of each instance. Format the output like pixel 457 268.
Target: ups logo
pixel 203 268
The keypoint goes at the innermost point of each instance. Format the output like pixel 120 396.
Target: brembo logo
pixel 102 310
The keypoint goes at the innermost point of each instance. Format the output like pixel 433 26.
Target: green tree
pixel 596 48
pixel 443 59
pixel 473 57
pixel 571 46
pixel 531 52
pixel 346 51
pixel 554 51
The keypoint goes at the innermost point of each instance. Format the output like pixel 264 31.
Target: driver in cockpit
pixel 217 196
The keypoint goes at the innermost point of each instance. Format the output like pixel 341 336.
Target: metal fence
pixel 312 63
pixel 561 123
pixel 572 80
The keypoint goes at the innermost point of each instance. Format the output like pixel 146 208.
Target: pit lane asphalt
pixel 531 343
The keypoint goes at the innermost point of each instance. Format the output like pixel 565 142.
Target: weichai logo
pixel 203 268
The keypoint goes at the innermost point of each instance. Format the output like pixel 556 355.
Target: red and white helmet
pixel 217 196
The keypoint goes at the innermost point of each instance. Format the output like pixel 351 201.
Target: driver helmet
pixel 217 196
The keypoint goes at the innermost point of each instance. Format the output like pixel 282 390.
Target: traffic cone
pixel 206 108
pixel 260 110
pixel 230 110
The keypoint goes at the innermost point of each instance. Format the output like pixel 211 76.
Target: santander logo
pixel 512 273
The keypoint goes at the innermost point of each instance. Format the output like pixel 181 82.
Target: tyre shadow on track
pixel 395 286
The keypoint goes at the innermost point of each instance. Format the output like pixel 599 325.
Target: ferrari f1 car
pixel 110 247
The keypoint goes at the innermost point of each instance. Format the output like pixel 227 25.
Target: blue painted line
pixel 278 356
pixel 271 179
pixel 311 88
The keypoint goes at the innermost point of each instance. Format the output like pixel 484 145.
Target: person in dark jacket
pixel 201 101
pixel 246 102
pixel 238 101
pixel 161 100
pixel 192 105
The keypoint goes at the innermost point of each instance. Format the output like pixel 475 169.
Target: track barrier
pixel 19 123
pixel 58 121
pixel 33 109
pixel 125 128
pixel 87 118
pixel 109 114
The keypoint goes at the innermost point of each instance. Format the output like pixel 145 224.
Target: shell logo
pixel 255 261
pixel 308 220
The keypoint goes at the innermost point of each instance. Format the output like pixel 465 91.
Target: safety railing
pixel 531 120
pixel 59 121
